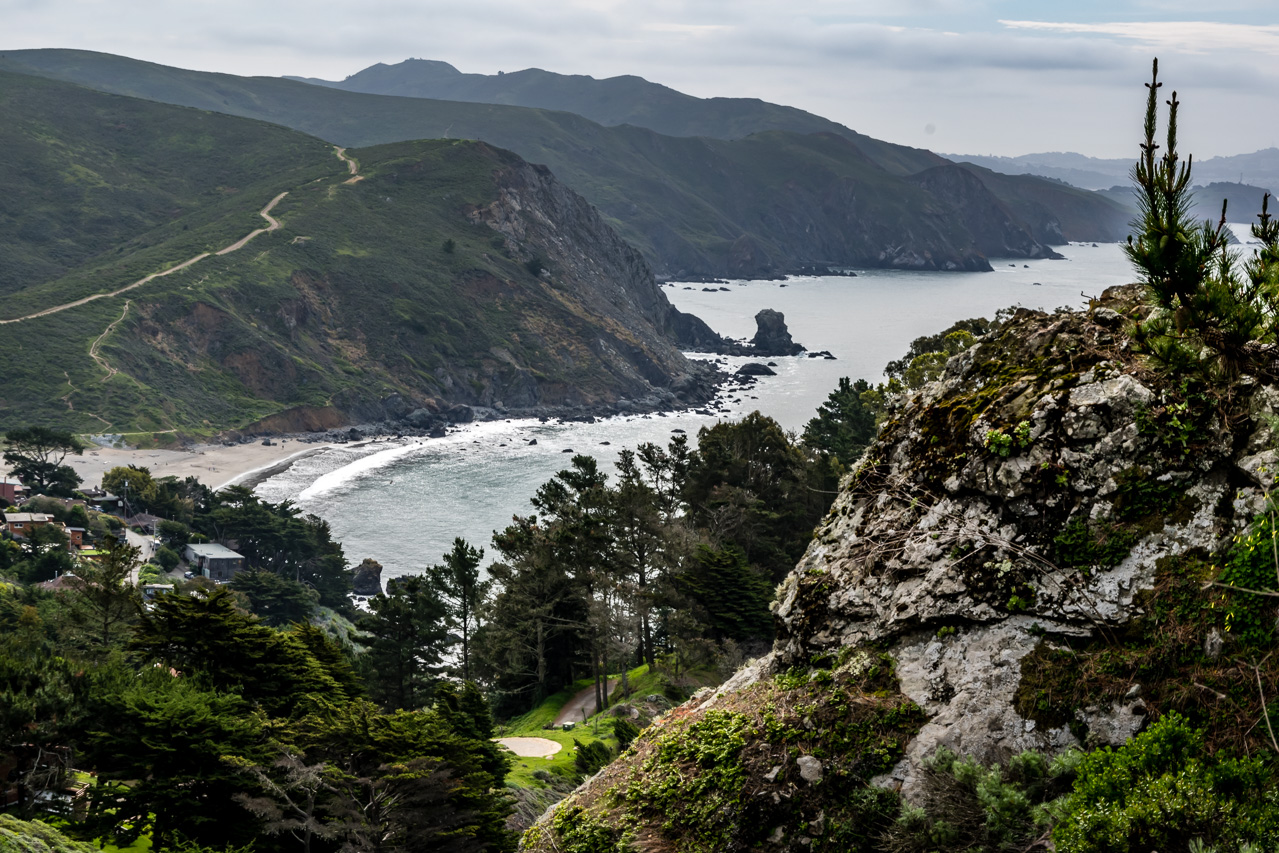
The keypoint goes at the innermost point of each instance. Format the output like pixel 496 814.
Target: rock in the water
pixel 754 368
pixel 771 335
pixel 368 578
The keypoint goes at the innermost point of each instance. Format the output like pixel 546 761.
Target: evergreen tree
pixel 103 598
pixel 35 455
pixel 844 424
pixel 457 582
pixel 408 635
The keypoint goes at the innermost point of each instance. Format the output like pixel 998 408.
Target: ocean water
pixel 403 502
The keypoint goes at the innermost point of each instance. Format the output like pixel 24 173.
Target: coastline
pixel 214 465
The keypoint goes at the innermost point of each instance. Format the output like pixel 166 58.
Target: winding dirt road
pixel 265 213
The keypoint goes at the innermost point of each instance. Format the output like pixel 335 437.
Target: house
pixel 151 590
pixel 75 537
pixel 19 523
pixel 216 562
pixel 12 490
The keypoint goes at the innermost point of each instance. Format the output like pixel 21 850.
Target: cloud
pixel 1181 36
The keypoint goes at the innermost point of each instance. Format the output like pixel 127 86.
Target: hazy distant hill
pixel 450 273
pixel 619 100
pixel 1260 168
pixel 1244 201
pixel 769 203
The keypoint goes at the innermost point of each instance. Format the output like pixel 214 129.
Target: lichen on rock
pixel 1026 541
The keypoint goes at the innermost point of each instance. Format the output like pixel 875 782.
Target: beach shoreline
pixel 214 465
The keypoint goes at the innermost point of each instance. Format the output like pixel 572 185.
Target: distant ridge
pixel 773 202
pixel 619 100
pixel 1260 168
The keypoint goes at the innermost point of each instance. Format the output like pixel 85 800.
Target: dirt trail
pixel 265 213
pixel 97 343
pixel 583 701
pixel 271 224
pixel 352 165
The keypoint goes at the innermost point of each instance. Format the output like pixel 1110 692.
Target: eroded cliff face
pixel 1018 560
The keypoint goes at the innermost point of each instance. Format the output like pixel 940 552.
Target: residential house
pixel 19 523
pixel 216 562
pixel 12 490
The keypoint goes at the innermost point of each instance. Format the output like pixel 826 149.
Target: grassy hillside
pixel 687 202
pixel 389 285
pixel 91 179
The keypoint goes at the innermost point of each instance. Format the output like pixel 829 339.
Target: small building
pixel 19 523
pixel 75 537
pixel 150 591
pixel 12 490
pixel 215 562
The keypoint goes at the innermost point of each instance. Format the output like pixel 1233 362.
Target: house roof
pixel 11 517
pixel 10 481
pixel 217 552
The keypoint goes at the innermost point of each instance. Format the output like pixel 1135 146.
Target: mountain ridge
pixel 694 206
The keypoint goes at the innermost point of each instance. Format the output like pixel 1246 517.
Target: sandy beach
pixel 215 465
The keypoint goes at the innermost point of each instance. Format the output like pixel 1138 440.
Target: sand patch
pixel 530 747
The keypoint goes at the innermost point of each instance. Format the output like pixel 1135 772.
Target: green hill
pixel 449 272
pixel 692 205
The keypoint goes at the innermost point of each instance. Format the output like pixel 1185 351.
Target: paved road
pixel 583 701
pixel 146 546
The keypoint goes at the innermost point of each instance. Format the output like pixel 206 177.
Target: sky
pixel 1001 77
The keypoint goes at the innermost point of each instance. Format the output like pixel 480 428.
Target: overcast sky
pixel 957 76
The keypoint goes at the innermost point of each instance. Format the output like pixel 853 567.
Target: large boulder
pixel 368 578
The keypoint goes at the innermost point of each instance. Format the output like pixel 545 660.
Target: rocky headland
pixel 1023 560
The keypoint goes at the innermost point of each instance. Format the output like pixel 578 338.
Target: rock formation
pixel 368 578
pixel 1049 496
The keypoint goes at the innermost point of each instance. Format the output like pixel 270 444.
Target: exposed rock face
pixel 1028 503
pixel 368 578
pixel 771 335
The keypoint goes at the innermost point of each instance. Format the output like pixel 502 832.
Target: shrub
pixel 626 731
pixel 167 557
pixel 591 756
pixel 966 806
pixel 1161 790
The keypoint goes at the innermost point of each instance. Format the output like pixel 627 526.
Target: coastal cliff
pixel 1022 561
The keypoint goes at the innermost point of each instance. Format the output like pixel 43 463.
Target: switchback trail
pixel 265 213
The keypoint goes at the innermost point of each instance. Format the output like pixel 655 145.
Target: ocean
pixel 403 502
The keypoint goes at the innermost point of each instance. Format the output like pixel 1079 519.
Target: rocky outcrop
pixel 368 578
pixel 771 335
pixel 1025 545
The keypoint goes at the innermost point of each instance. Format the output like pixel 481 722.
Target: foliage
pixel 732 595
pixel 407 636
pixel 625 730
pixel 1252 578
pixel 104 600
pixel 963 805
pixel 589 757
pixel 457 583
pixel 233 652
pixel 844 425
pixel 278 601
pixel 1162 789
pixel 21 836
pixel 1209 320
pixel 35 454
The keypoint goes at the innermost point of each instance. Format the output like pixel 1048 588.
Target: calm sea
pixel 402 503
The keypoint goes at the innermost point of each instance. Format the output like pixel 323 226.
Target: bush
pixel 167 557
pixel 591 756
pixel 966 806
pixel 626 731
pixel 1161 790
